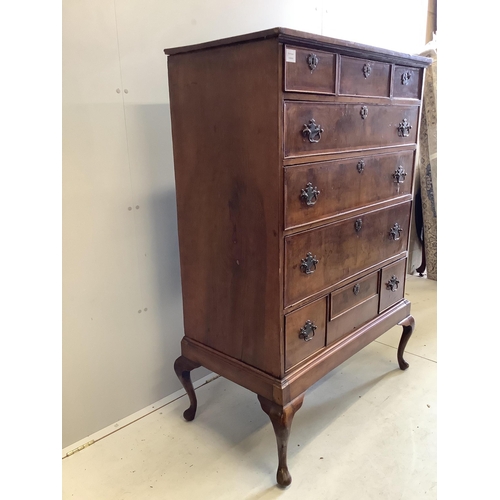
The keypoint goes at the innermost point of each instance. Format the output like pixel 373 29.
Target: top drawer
pixel 309 70
pixel 364 77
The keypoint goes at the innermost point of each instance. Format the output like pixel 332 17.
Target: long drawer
pixel 321 128
pixel 315 191
pixel 320 258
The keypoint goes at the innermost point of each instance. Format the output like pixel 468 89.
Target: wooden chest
pixel 294 160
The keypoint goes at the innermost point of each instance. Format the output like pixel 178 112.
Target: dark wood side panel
pixel 225 127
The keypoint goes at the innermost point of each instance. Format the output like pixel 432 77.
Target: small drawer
pixel 324 128
pixel 305 331
pixel 364 77
pixel 353 294
pixel 309 70
pixel 350 320
pixel 315 191
pixel 407 82
pixel 392 284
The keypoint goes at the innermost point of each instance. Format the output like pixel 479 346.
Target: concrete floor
pixel 366 431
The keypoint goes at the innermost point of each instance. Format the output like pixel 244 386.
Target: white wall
pixel 122 316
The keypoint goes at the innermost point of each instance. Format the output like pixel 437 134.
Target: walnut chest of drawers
pixel 294 159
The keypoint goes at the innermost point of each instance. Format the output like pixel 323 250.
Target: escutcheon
pixel 399 175
pixel 395 231
pixel 312 131
pixel 312 61
pixel 392 284
pixel 405 78
pixel 404 128
pixel 307 331
pixel 310 194
pixel 308 265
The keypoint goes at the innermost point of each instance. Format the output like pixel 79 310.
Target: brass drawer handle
pixel 395 231
pixel 360 166
pixel 307 331
pixel 355 289
pixel 312 131
pixel 364 112
pixel 310 194
pixel 358 223
pixel 399 175
pixel 312 61
pixel 367 69
pixel 308 265
pixel 404 128
pixel 392 284
pixel 405 78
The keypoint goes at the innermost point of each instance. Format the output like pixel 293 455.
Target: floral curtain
pixel 427 164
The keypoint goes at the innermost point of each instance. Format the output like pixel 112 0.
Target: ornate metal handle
pixel 399 175
pixel 405 78
pixel 312 61
pixel 308 265
pixel 364 112
pixel 360 166
pixel 312 131
pixel 395 231
pixel 367 69
pixel 355 289
pixel 392 284
pixel 404 128
pixel 310 194
pixel 357 225
pixel 307 331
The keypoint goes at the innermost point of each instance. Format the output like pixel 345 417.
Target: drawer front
pixel 347 322
pixel 364 77
pixel 392 284
pixel 305 331
pixel 353 294
pixel 312 129
pixel 407 82
pixel 319 258
pixel 309 71
pixel 315 191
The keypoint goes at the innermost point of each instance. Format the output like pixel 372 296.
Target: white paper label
pixel 290 55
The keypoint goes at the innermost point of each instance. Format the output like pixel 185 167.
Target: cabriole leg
pixel 281 418
pixel 183 367
pixel 408 325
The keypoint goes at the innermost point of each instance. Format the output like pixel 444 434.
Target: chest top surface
pixel 286 35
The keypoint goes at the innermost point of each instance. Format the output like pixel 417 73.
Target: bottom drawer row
pixel 331 318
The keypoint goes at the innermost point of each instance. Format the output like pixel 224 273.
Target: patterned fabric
pixel 427 164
